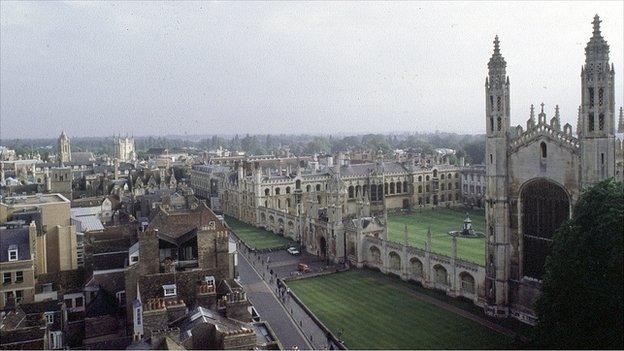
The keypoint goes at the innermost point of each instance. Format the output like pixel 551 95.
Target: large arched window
pixel 545 206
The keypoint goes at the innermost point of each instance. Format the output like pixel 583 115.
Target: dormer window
pixel 12 253
pixel 169 290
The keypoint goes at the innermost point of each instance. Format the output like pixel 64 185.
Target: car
pixel 304 268
pixel 293 250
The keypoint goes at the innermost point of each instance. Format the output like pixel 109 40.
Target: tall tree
pixel 581 306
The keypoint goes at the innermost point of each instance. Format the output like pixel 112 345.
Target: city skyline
pixel 223 68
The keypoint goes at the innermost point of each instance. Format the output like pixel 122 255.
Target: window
pixel 69 303
pixel 121 297
pixel 6 278
pixel 12 253
pixel 134 259
pixel 78 301
pixel 169 290
pixel 543 148
pixel 49 317
pixel 600 96
pixel 138 316
pixel 591 122
pixel 266 192
pixel 318 187
pixel 601 121
pixel 19 294
pixel 57 339
pixel 277 191
pixel 19 276
pixel 591 97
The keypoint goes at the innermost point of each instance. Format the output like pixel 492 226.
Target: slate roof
pixel 104 304
pixel 15 237
pixel 22 335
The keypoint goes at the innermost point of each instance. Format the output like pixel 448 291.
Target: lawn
pixel 441 221
pixel 256 237
pixel 374 313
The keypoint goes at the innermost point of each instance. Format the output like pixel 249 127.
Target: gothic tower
pixel 64 148
pixel 597 111
pixel 496 208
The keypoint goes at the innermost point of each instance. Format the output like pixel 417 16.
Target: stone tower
pixel 597 135
pixel 497 122
pixel 64 148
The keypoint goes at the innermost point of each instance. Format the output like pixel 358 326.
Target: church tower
pixel 64 148
pixel 496 209
pixel 597 111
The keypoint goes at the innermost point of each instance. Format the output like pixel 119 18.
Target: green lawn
pixel 441 221
pixel 256 237
pixel 376 313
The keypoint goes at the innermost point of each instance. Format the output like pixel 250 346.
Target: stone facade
pixel 535 176
pixel 64 148
pixel 124 149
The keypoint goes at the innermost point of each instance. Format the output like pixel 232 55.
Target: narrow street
pixel 269 308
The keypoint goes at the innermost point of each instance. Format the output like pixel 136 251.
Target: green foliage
pixel 475 151
pixel 581 306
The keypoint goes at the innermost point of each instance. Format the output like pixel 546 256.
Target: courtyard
pixel 367 310
pixel 256 238
pixel 441 221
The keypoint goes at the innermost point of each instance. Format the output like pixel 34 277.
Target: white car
pixel 293 250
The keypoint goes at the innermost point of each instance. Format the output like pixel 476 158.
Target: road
pixel 269 308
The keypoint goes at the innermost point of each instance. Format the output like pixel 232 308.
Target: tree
pixel 475 151
pixel 581 305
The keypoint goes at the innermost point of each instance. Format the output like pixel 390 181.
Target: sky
pixel 186 68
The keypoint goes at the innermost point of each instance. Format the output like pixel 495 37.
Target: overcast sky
pixel 99 68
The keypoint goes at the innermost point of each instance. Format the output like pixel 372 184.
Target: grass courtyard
pixel 374 312
pixel 441 221
pixel 257 238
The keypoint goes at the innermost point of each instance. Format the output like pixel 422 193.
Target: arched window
pixel 591 122
pixel 392 188
pixel 543 148
pixel 358 190
pixel 420 189
pixel 420 178
pixel 287 190
pixel 318 187
pixel 405 188
pixel 427 178
pixel 385 188
pixel 308 188
pixel 601 121
pixel 442 186
pixel 266 192
pixel 351 190
pixel 398 187
pixel 277 191
pixel 298 184
pixel 435 174
pixel 600 96
pixel 442 176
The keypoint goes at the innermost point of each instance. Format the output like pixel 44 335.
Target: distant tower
pixel 64 148
pixel 597 111
pixel 124 149
pixel 496 208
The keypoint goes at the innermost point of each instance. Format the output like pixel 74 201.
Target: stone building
pixel 64 148
pixel 124 149
pixel 18 262
pixel 473 186
pixel 535 176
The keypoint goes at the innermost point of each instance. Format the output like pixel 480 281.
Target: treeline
pixel 470 146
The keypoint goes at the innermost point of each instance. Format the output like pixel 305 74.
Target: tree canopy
pixel 581 306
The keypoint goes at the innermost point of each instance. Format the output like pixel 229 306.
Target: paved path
pixel 269 308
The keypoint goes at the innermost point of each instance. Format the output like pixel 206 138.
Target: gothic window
pixel 298 184
pixel 545 206
pixel 318 187
pixel 398 188
pixel 591 122
pixel 435 173
pixel 442 176
pixel 491 123
pixel 591 97
pixel 543 149
pixel 287 190
pixel 266 192
pixel 392 188
pixel 373 192
pixel 420 178
pixel 491 101
pixel 601 121
pixel 385 188
pixel 380 192
pixel 351 192
pixel 358 190
pixel 427 178
pixel 277 191
pixel 308 188
pixel 499 122
pixel 498 103
pixel 405 187
pixel 600 96
pixel 420 189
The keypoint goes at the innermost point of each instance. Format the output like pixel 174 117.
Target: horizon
pixel 265 68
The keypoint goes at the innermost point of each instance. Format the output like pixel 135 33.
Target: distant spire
pixel 542 104
pixel 532 115
pixel 621 122
pixel 557 111
pixel 497 63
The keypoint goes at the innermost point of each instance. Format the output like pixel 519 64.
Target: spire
pixel 579 127
pixel 542 104
pixel 557 112
pixel 597 49
pixel 532 116
pixel 497 45
pixel 621 122
pixel 596 23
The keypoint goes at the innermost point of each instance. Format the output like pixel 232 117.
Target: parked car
pixel 304 268
pixel 293 250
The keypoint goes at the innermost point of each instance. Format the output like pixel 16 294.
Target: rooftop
pixel 38 199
